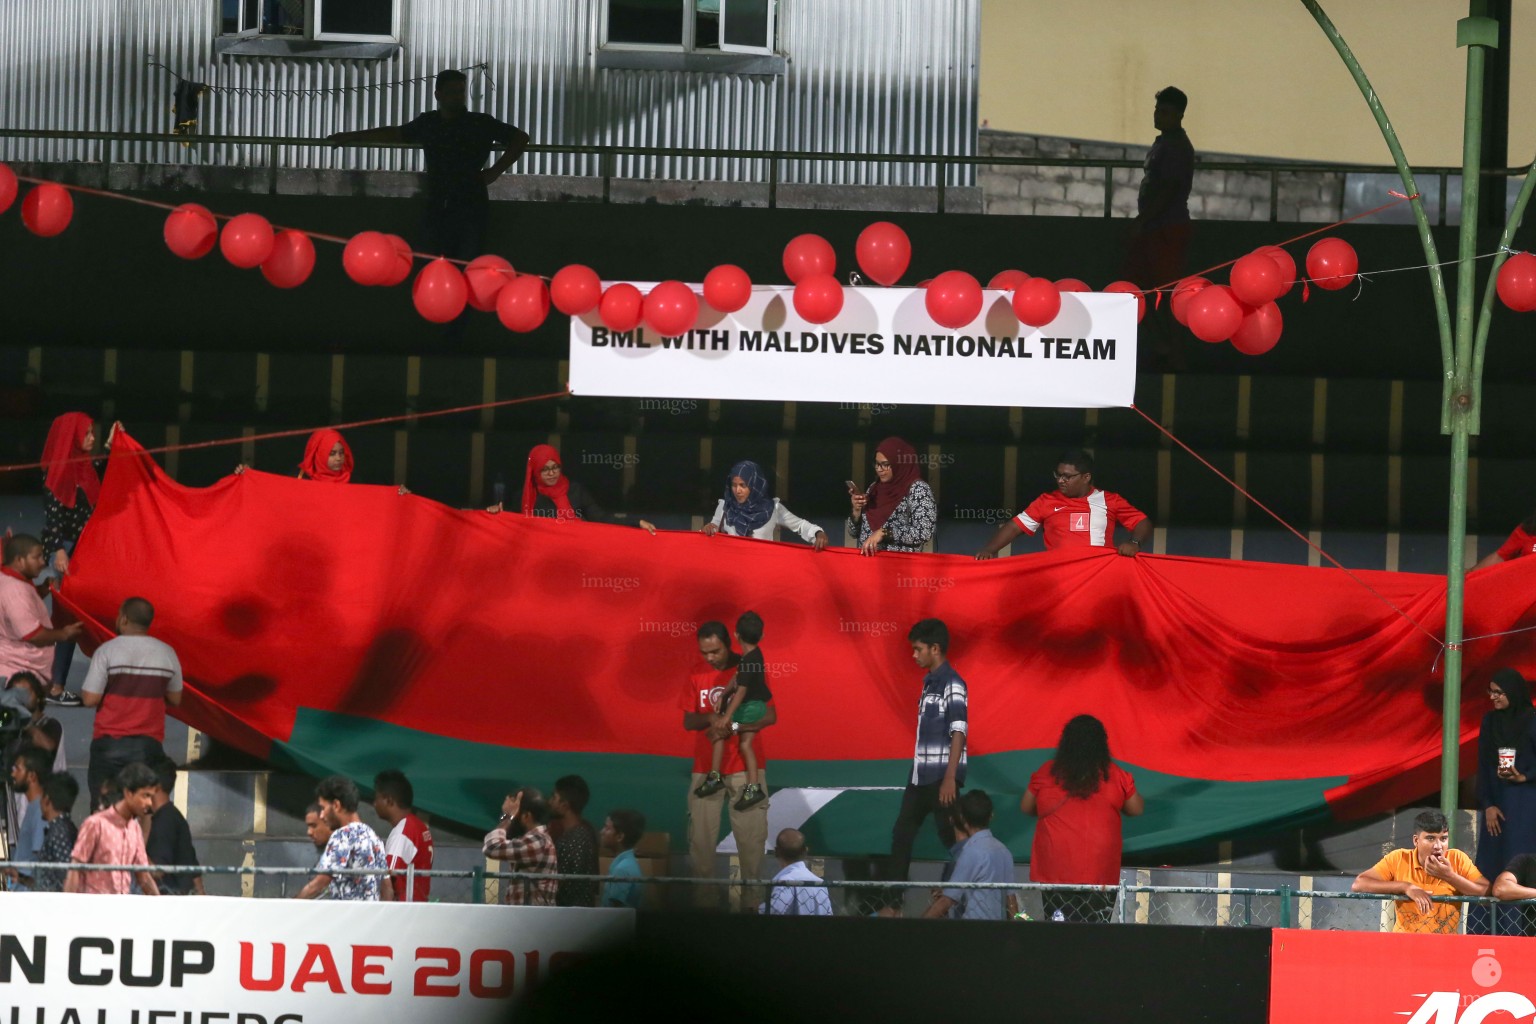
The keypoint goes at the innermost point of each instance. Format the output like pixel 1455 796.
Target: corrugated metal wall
pixel 864 76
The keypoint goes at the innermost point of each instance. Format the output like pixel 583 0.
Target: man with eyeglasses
pixel 1076 514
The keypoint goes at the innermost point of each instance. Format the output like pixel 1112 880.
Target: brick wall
pixel 1079 191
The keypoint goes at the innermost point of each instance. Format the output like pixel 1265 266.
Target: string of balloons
pixel 1244 311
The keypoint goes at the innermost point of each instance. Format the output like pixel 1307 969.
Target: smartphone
pixel 853 488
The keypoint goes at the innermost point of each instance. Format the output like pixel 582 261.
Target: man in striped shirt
pixel 938 757
pixel 1077 514
pixel 133 678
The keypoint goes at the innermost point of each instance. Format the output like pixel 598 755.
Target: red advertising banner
pixel 1327 977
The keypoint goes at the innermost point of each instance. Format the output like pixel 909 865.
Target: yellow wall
pixel 1262 78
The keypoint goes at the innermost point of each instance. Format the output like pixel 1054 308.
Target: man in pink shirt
pixel 27 635
pixel 113 836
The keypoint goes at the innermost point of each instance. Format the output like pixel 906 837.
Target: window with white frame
pixel 730 26
pixel 365 21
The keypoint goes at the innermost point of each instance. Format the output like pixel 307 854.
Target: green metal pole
pixel 1475 33
pixel 1460 342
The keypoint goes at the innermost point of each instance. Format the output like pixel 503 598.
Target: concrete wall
pixel 1079 191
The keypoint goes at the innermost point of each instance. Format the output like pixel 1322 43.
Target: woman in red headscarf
pixel 549 493
pixel 327 457
pixel 71 487
pixel 897 512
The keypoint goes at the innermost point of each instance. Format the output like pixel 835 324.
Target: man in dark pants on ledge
pixel 938 762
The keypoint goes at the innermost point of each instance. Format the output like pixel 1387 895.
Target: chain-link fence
pixel 1238 907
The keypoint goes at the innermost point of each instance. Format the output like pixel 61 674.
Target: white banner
pixel 882 347
pixel 199 960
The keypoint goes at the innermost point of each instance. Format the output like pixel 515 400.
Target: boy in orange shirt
pixel 1428 868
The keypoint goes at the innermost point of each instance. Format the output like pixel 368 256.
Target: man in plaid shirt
pixel 522 839
pixel 938 762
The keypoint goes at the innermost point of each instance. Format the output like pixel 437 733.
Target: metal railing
pixel 1126 903
pixel 774 158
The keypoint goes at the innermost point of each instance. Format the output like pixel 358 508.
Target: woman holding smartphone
pixel 1506 781
pixel 897 512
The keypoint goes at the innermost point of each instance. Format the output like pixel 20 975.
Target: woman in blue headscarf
pixel 746 510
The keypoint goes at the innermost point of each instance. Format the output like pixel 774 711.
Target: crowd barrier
pixel 226 960
pixel 1283 906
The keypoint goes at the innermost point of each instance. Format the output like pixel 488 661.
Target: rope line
pixel 157 204
pixel 1304 235
pixel 301 431
pixel 1301 536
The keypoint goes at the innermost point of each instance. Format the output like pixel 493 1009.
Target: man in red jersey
pixel 1076 514
pixel 410 841
pixel 700 704
pixel 1521 542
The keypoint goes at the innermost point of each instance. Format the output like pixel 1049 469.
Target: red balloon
pixel 1036 302
pixel 369 257
pixel 953 299
pixel 1259 331
pixel 8 187
pixel 883 251
pixel 486 276
pixel 1332 263
pixel 727 288
pixel 806 255
pixel 621 307
pixel 1072 284
pixel 1182 293
pixel 1130 289
pixel 818 298
pixel 400 269
pixel 247 240
pixel 1007 280
pixel 191 231
pixel 292 260
pixel 1285 261
pixel 1257 279
pixel 575 290
pixel 47 209
pixel 1214 313
pixel 1517 282
pixel 671 309
pixel 522 303
pixel 440 292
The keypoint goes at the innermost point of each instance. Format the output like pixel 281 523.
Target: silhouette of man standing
pixel 1160 233
pixel 457 143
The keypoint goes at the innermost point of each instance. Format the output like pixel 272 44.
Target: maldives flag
pixel 348 628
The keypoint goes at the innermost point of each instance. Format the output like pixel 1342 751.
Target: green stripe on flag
pixel 465 781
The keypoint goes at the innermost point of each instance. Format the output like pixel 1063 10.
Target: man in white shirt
pixel 795 900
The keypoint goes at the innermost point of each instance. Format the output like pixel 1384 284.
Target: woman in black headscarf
pixel 1506 774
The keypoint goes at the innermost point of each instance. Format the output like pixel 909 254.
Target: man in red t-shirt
pixel 1521 542
pixel 1075 515
pixel 410 841
pixel 700 704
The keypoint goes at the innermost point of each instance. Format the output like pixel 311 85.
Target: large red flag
pixel 350 628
